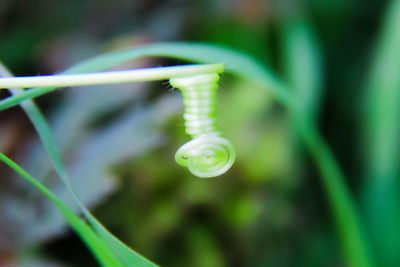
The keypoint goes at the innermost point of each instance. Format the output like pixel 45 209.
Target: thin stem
pixel 109 77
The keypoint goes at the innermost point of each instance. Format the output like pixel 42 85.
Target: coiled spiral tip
pixel 206 156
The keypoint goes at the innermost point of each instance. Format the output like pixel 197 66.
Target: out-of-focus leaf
pixel 381 136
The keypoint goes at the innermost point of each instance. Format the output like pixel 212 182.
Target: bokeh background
pixel 118 141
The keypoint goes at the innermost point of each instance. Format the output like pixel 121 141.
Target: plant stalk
pixel 109 77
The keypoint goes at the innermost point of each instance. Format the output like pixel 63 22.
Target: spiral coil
pixel 207 154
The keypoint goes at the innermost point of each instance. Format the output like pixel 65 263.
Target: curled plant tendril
pixel 207 154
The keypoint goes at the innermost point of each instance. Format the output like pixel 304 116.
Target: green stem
pixel 109 77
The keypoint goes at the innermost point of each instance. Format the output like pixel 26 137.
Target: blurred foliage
pixel 267 211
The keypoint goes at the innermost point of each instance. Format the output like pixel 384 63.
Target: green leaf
pixel 99 249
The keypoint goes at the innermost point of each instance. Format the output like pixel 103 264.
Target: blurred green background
pixel 118 141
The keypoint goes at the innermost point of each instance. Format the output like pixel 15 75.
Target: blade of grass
pixel 302 66
pixel 338 195
pixel 381 136
pixel 99 250
pixel 125 255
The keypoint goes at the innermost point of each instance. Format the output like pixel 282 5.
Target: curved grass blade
pixel 302 66
pixel 125 255
pixel 236 62
pixel 88 236
pixel 340 199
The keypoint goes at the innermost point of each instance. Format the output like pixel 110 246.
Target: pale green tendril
pixel 208 154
